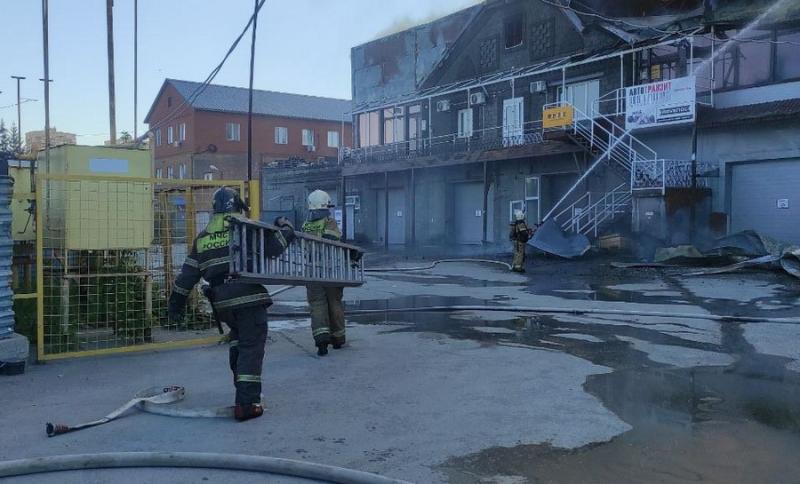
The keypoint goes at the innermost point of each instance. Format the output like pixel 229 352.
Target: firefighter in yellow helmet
pixel 519 235
pixel 325 302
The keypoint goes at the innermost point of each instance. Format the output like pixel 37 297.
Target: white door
pixel 513 117
pixel 582 96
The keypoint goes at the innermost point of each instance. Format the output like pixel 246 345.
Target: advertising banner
pixel 660 103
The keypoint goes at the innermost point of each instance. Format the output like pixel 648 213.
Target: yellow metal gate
pixel 108 250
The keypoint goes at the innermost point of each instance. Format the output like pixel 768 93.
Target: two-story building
pixel 201 131
pixel 674 121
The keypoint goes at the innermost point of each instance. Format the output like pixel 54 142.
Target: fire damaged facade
pixel 674 119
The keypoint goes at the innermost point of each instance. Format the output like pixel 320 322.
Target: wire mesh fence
pixel 108 252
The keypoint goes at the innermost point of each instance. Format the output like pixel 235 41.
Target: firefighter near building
pixel 240 305
pixel 325 303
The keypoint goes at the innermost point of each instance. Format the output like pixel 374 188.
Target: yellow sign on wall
pixel 558 117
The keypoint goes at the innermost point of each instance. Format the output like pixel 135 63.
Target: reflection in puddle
pixel 737 423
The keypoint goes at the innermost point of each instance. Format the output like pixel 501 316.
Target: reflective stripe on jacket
pixel 324 227
pixel 210 259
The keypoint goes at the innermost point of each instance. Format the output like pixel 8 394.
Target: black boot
pixel 246 412
pixel 322 349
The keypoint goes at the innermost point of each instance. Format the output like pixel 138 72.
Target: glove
pixel 175 311
pixel 282 222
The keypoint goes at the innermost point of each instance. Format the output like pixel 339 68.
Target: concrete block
pixel 14 349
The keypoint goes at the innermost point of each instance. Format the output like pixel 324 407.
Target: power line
pixel 202 87
pixel 655 29
pixel 26 100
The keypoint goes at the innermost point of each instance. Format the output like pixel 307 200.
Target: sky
pixel 303 46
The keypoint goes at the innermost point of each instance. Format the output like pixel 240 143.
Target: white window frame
pixel 513 121
pixel 308 137
pixel 182 171
pixel 158 137
pixel 182 132
pixel 515 205
pixel 281 135
pixel 159 172
pixel 586 93
pixel 170 173
pixel 170 135
pixel 233 131
pixel 537 198
pixel 465 123
pixel 333 136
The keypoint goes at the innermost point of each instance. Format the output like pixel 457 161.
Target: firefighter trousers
pixel 518 263
pixel 248 338
pixel 327 314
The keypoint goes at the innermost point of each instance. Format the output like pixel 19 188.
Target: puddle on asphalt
pixel 739 423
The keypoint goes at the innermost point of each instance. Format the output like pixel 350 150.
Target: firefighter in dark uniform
pixel 325 303
pixel 243 307
pixel 520 234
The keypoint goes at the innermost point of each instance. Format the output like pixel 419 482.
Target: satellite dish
pixel 212 148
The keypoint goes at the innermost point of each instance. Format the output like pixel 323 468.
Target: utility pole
pixel 46 51
pixel 111 106
pixel 250 96
pixel 135 69
pixel 19 113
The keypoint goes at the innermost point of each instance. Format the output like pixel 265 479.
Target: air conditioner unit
pixel 538 86
pixel 311 148
pixel 477 98
pixel 443 105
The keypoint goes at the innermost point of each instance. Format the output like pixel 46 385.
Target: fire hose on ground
pixel 194 460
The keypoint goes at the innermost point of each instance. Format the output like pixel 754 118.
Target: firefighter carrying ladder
pixel 308 260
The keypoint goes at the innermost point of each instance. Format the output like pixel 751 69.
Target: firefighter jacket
pixel 322 225
pixel 519 231
pixel 210 259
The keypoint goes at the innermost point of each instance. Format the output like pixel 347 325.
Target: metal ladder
pixel 610 143
pixel 306 261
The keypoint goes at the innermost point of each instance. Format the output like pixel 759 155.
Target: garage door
pixel 468 211
pixel 765 197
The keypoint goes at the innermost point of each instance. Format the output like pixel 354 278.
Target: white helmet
pixel 519 215
pixel 318 200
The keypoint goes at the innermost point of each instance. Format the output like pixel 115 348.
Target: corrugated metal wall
pixel 6 251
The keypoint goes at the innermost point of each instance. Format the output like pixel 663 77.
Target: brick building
pixel 204 135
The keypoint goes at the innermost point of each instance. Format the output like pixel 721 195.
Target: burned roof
pixel 775 110
pixel 399 63
pixel 227 99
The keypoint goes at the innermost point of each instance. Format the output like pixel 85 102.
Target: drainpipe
pixel 693 210
pixel 343 205
pixel 485 201
pixel 413 208
pixel 386 209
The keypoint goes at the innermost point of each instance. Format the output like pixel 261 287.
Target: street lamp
pixel 19 113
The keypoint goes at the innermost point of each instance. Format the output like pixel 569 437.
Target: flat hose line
pixel 553 310
pixel 436 263
pixel 195 460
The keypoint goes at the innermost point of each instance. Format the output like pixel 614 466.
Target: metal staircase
pixel 615 148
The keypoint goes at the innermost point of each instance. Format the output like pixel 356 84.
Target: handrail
pixel 526 128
